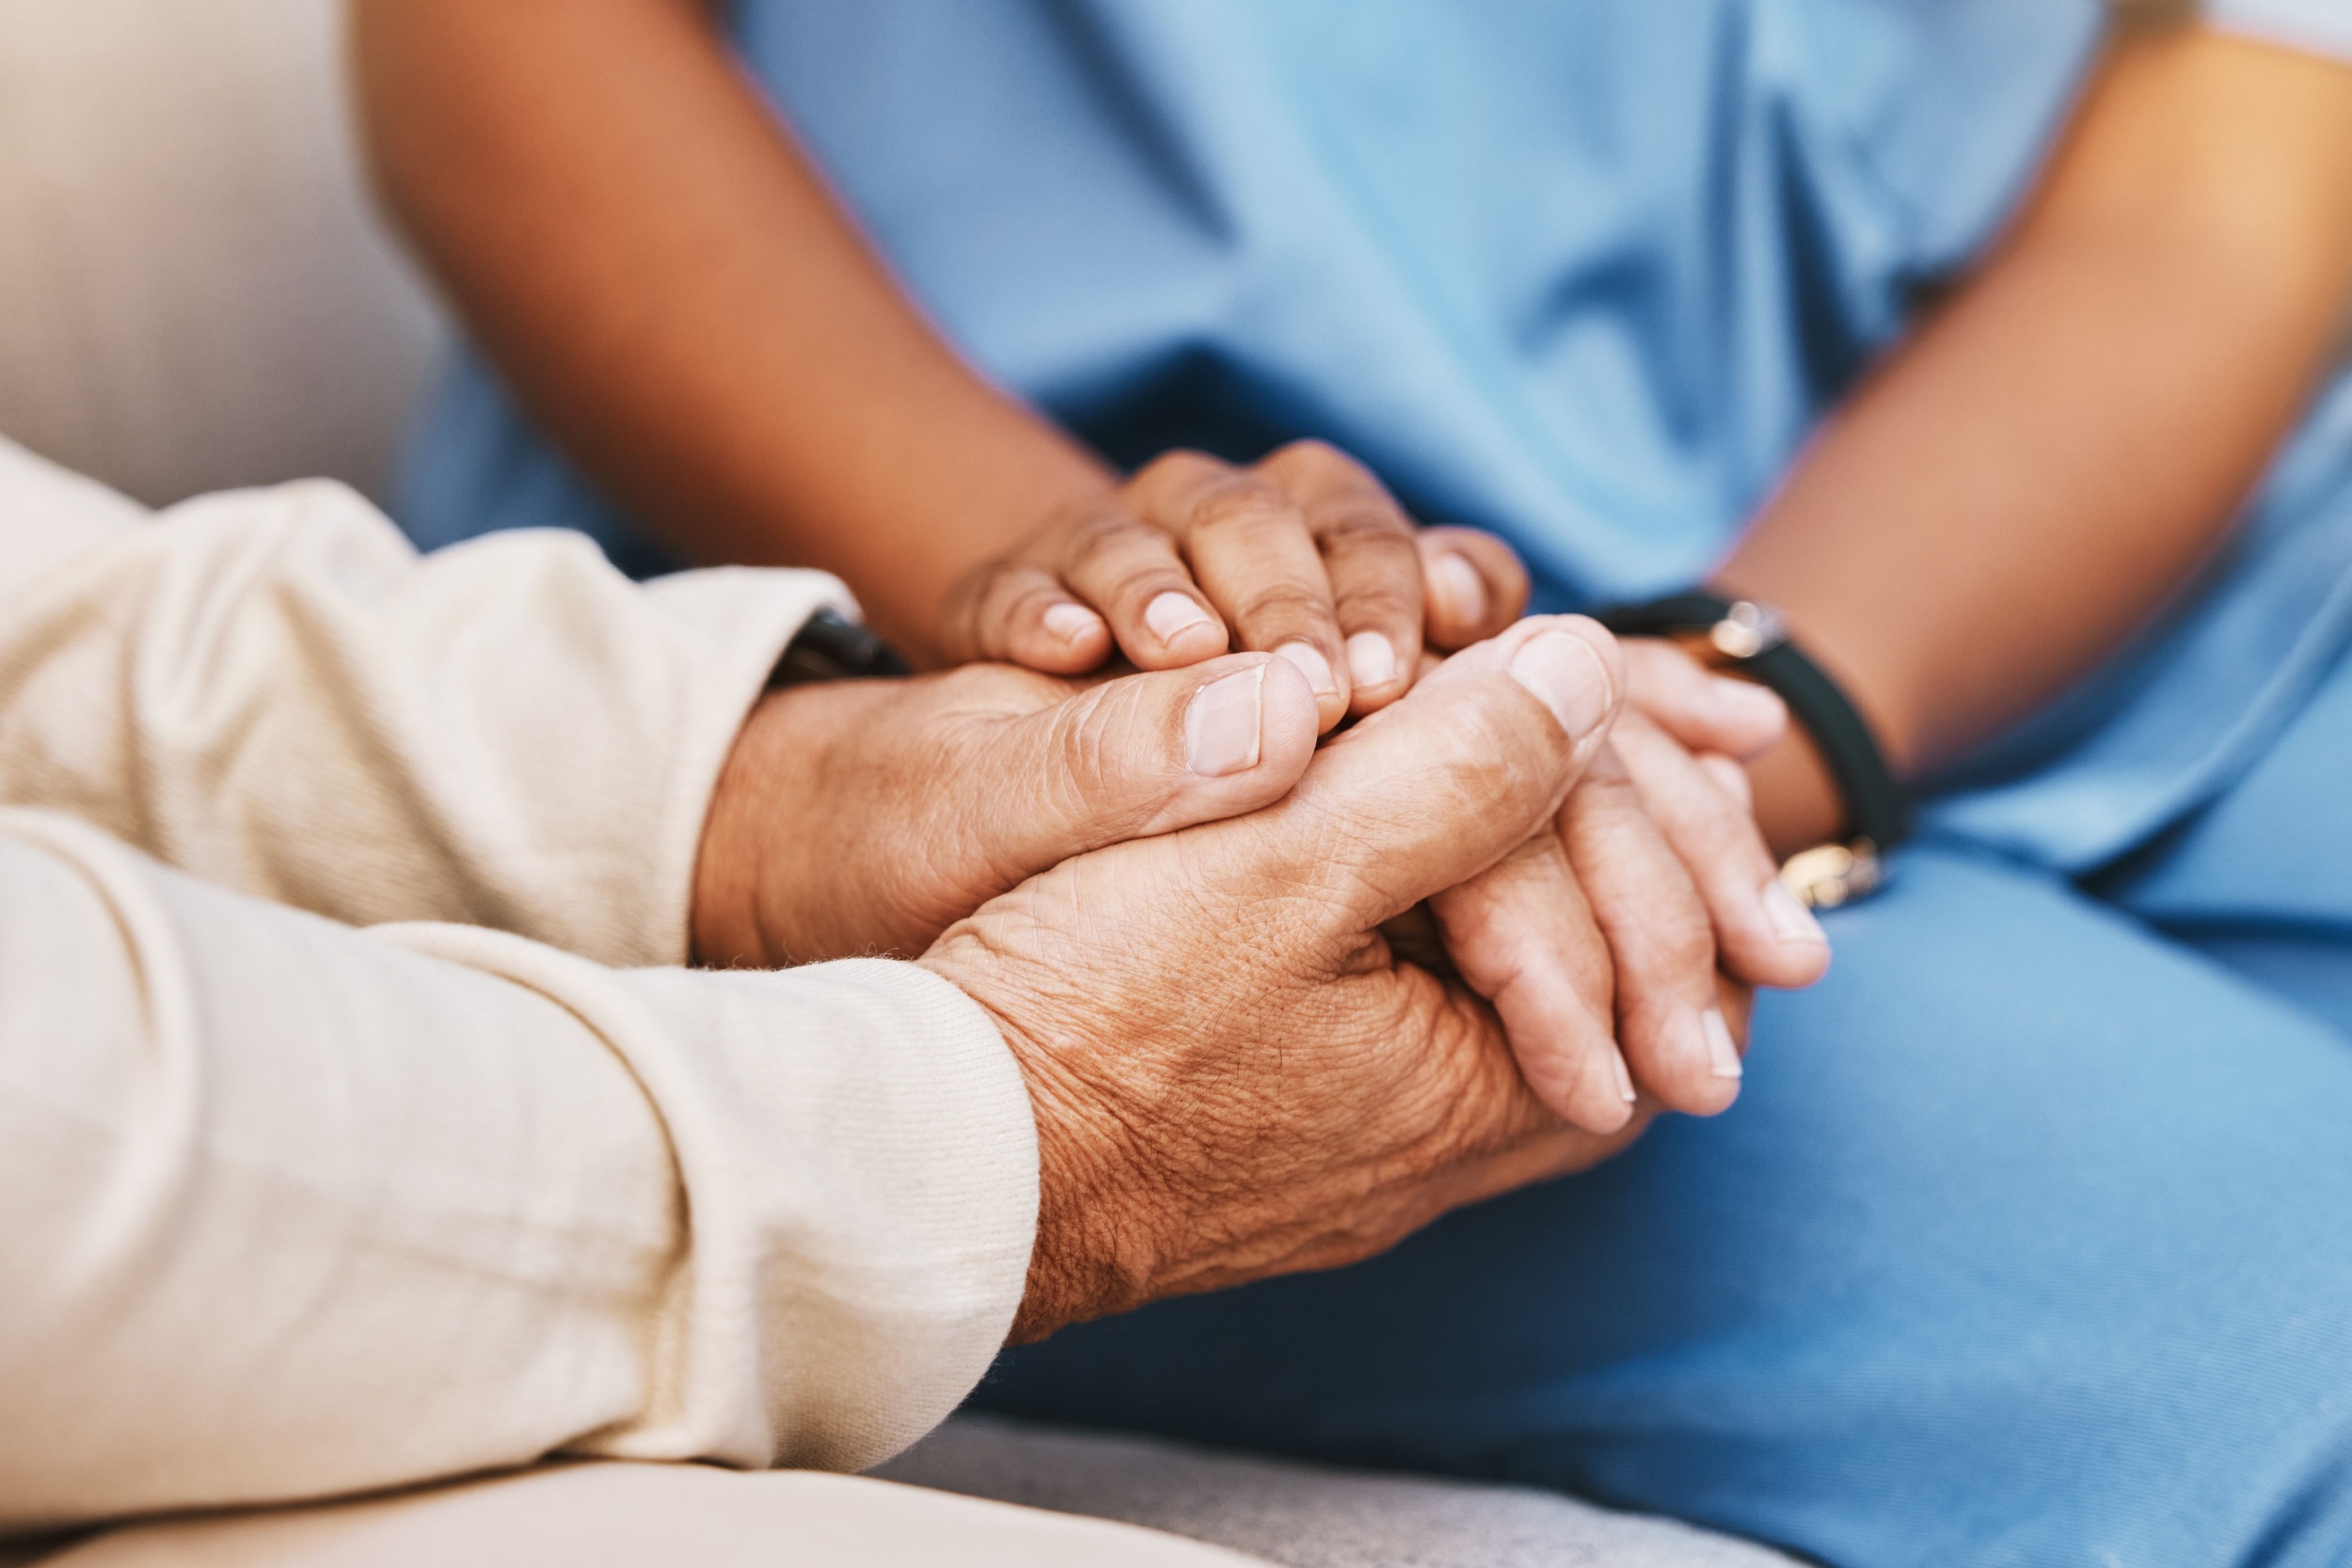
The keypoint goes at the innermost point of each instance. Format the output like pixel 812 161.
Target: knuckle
pixel 1320 465
pixel 1487 758
pixel 1313 456
pixel 1011 601
pixel 1284 606
pixel 1109 545
pixel 1379 605
pixel 1363 525
pixel 1179 464
pixel 1081 770
pixel 1241 504
pixel 1173 477
pixel 1311 449
pixel 1080 756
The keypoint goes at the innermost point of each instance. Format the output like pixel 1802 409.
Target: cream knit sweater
pixel 290 1209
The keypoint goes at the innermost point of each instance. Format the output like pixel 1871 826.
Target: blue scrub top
pixel 1585 274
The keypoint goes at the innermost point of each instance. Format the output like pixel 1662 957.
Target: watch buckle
pixel 1747 629
pixel 1829 875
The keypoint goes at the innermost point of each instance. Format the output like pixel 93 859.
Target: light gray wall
pixel 195 292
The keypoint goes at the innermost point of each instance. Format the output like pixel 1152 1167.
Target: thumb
pixel 1435 789
pixel 1140 755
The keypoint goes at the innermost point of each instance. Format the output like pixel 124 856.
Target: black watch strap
pixel 1750 639
pixel 833 647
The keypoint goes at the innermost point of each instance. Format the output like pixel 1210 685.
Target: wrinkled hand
pixel 1233 1074
pixel 1653 888
pixel 1302 554
pixel 866 816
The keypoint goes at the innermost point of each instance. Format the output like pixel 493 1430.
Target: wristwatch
pixel 833 647
pixel 1748 638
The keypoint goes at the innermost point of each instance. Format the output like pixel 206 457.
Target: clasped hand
pixel 1180 910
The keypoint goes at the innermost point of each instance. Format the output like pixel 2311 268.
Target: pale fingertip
pixel 1745 705
pixel 1309 661
pixel 1069 622
pixel 1792 921
pixel 1623 1078
pixel 1225 724
pixel 1565 674
pixel 1723 1054
pixel 1174 617
pixel 1458 589
pixel 1370 660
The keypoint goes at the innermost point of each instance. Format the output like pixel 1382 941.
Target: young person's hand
pixel 1653 887
pixel 1302 554
pixel 1685 738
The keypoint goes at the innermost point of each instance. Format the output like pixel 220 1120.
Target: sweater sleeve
pixel 289 1210
pixel 272 689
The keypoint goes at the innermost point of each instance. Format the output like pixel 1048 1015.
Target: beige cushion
pixel 194 291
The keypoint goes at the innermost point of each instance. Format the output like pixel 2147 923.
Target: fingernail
pixel 1738 702
pixel 1069 622
pixel 1792 921
pixel 1371 660
pixel 1624 1079
pixel 1568 677
pixel 1722 1055
pixel 1457 584
pixel 1222 724
pixel 1173 614
pixel 1312 664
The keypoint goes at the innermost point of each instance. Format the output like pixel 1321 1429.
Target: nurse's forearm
pixel 673 294
pixel 2054 453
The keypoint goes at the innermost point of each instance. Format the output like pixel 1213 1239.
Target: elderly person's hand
pixel 1233 1074
pixel 866 817
pixel 1651 893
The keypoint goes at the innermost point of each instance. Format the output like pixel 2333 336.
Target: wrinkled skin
pixel 1233 1074
pixel 868 816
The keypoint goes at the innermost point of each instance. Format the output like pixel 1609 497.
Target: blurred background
pixel 195 290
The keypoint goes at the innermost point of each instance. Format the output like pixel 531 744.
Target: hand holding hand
pixel 1652 889
pixel 1233 1075
pixel 866 816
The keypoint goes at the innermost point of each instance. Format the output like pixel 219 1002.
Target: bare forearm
pixel 674 294
pixel 2052 456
